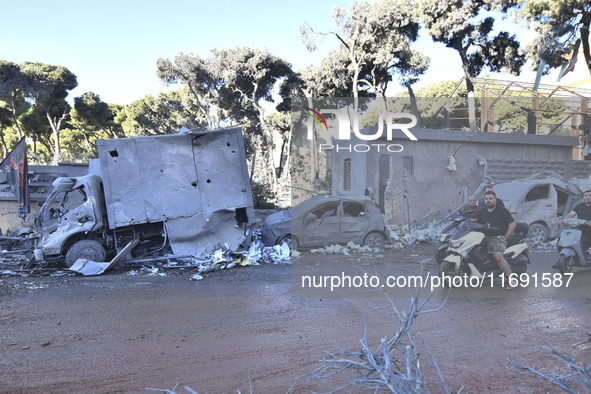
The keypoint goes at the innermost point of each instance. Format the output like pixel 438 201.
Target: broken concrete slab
pixel 89 267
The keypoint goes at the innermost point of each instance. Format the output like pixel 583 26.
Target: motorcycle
pixel 569 246
pixel 468 255
pixel 448 234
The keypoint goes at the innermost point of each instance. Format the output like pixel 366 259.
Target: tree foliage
pixel 48 87
pixel 13 85
pixel 458 25
pixel 95 115
pixel 232 86
pixel 239 86
pixel 561 27
pixel 164 114
pixel 202 80
pixel 374 46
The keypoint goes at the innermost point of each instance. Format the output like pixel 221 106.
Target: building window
pixel 347 175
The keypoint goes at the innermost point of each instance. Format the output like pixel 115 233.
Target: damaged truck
pixel 181 194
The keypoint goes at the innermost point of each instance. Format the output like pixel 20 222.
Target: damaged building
pixel 439 171
pixel 420 172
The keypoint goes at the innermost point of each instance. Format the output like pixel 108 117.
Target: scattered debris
pixel 219 260
pixel 345 250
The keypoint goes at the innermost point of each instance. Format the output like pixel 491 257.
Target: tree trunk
pixel 4 147
pixel 55 127
pixel 414 106
pixel 286 170
pixel 313 150
pixel 281 150
pixel 46 144
pixel 471 106
pixel 469 86
pixel 585 22
pixel 18 128
pixel 267 138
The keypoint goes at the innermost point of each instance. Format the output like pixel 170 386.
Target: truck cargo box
pixel 193 182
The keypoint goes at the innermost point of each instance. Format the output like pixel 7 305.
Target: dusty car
pixel 540 199
pixel 322 220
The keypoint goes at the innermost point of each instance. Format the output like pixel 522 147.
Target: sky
pixel 112 46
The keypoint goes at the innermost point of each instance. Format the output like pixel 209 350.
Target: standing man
pixel 496 242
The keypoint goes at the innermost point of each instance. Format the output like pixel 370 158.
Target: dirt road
pixel 240 329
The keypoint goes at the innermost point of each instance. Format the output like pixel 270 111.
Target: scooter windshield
pixel 464 229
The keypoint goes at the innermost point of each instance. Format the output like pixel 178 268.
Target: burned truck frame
pixel 183 194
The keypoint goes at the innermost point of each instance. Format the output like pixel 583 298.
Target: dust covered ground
pixel 240 329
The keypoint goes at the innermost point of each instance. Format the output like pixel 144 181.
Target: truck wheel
pixel 538 233
pixel 86 249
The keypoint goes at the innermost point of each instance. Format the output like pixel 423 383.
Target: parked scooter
pixel 468 255
pixel 570 248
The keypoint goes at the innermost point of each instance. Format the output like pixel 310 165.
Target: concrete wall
pixel 427 184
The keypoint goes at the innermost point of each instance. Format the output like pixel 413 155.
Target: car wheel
pixel 565 264
pixel 86 249
pixel 290 240
pixel 374 240
pixel 538 233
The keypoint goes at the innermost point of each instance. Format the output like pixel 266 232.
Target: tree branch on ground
pixel 393 366
pixel 575 377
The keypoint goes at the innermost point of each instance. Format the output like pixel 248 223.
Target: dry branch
pixel 393 366
pixel 577 379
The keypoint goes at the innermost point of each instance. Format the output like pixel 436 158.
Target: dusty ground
pixel 240 329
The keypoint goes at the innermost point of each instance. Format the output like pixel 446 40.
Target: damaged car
pixel 539 200
pixel 322 220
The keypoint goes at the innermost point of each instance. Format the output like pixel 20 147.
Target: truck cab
pixel 74 211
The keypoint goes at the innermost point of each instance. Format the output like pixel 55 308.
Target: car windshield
pixel 311 203
pixel 510 191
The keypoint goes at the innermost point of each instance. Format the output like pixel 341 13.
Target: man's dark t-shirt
pixel 499 218
pixel 583 211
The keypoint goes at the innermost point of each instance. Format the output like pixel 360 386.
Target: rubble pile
pixel 221 259
pixel 428 232
pixel 344 250
pixel 548 246
pixel 224 258
pixel 399 237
